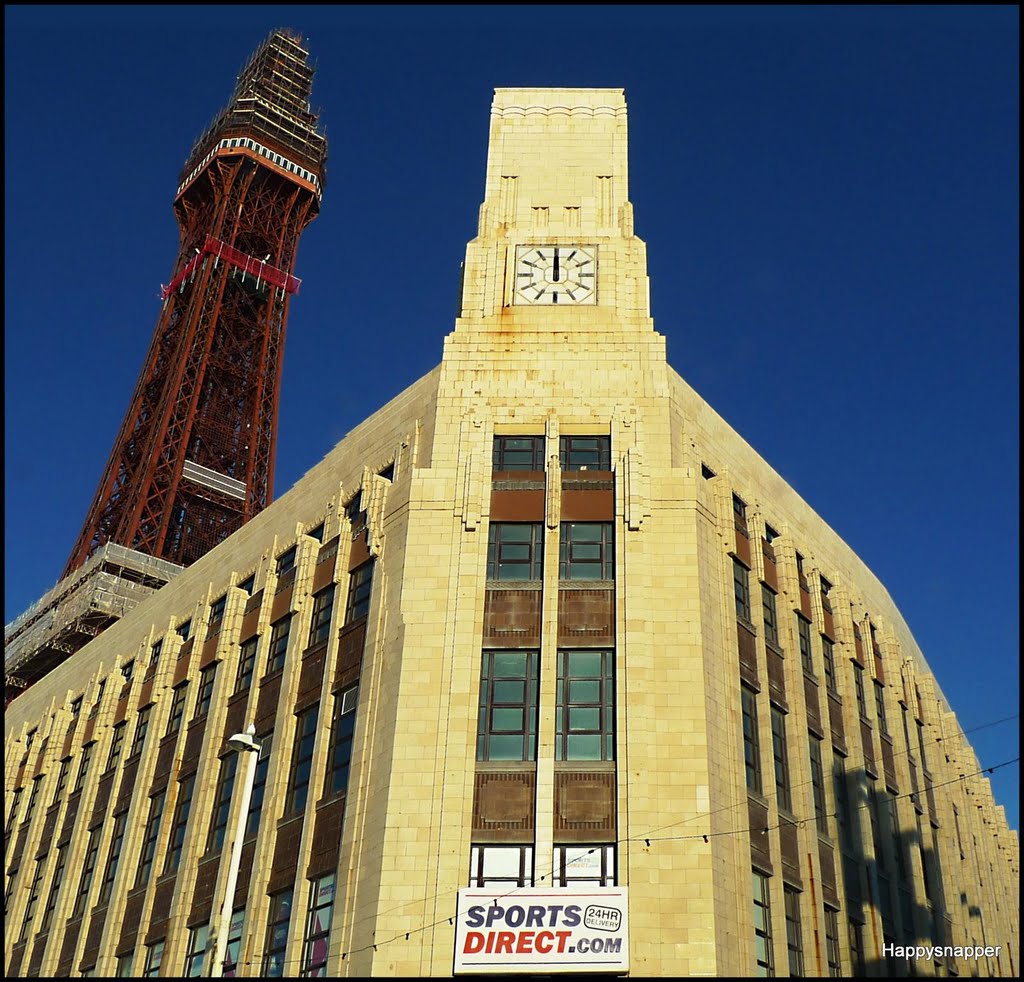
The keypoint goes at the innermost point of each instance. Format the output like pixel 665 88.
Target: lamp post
pixel 243 743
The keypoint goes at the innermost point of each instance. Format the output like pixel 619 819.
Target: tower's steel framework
pixel 194 457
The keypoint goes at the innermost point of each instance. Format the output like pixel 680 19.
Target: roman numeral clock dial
pixel 556 275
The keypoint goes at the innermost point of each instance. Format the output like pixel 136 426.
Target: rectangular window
pixel 116 745
pixel 125 966
pixel 858 682
pixel 518 453
pixel 360 583
pixel 33 795
pixel 180 823
pixel 196 953
pixel 320 621
pixel 765 963
pixel 247 584
pixel 751 741
pixel 771 618
pixel 340 755
pixel 113 857
pixel 794 935
pixel 317 533
pixel 286 561
pixel 206 679
pixel 62 783
pixel 818 784
pixel 222 802
pixel 782 793
pixel 842 797
pixel 741 587
pixel 883 722
pixel 30 738
pixel 177 708
pixel 920 744
pixel 184 629
pixel 12 815
pixel 33 900
pixel 277 934
pixel 501 866
pixel 83 768
pixel 585 453
pixel 154 652
pixel 577 865
pixel 279 631
pixel 58 880
pixel 739 514
pixel 217 609
pixel 515 551
pixel 832 949
pixel 507 721
pixel 154 956
pixel 828 660
pixel 234 944
pixel 585 706
pixel 803 633
pixel 149 840
pixel 141 728
pixel 318 928
pixel 586 551
pixel 128 671
pixel 259 787
pixel 302 761
pixel 88 871
pixel 857 948
pixel 76 706
pixel 246 664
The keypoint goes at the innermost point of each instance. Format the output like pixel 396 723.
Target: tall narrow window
pixel 222 802
pixel 88 871
pixel 771 618
pixel 751 743
pixel 318 928
pixel 125 968
pixel 765 963
pixel 83 767
pixel 342 727
pixel 828 660
pixel 246 664
pixel 507 723
pixel 195 955
pixel 184 629
pixel 857 947
pixel 217 609
pixel 58 879
pixel 584 865
pixel 741 587
pixel 883 722
pixel 149 839
pixel 33 900
pixel 62 783
pixel 128 670
pixel 259 787
pixel 279 631
pixel 76 706
pixel 205 694
pixel 360 583
pixel 739 514
pixel 116 745
pixel 586 551
pixel 842 796
pixel 585 706
pixel 782 791
pixel 515 551
pixel 154 956
pixel 141 728
pixel 858 682
pixel 585 453
pixel 318 532
pixel 320 621
pixel 277 934
pixel 818 784
pixel 302 762
pixel 803 633
pixel 177 708
pixel 113 857
pixel 501 866
pixel 246 586
pixel 286 561
pixel 832 948
pixel 180 824
pixel 33 796
pixel 234 944
pixel 518 453
pixel 794 934
pixel 12 815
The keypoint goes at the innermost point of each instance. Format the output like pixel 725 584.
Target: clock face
pixel 556 274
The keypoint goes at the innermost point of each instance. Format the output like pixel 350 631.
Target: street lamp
pixel 243 743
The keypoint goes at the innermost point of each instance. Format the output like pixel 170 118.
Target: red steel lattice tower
pixel 194 457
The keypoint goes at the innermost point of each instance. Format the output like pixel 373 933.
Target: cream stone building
pixel 548 669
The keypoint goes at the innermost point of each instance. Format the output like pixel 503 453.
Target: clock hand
pixel 556 265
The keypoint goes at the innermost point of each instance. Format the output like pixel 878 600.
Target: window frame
pixel 360 591
pixel 770 616
pixel 478 855
pixel 194 955
pixel 762 902
pixel 222 802
pixel 113 857
pixel 607 875
pixel 59 869
pixel 320 616
pixel 488 704
pixel 751 741
pixel 204 694
pixel 303 751
pixel 501 544
pixel 179 823
pixel 150 838
pixel 780 757
pixel 605 704
pixel 500 452
pixel 179 695
pixel 570 447
pixel 339 753
pixel 141 729
pixel 314 961
pixel 741 591
pixel 247 651
pixel 803 634
pixel 116 744
pixel 794 931
pixel 277 649
pixel 605 543
pixel 279 926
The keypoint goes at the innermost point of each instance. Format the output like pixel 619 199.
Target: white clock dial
pixel 556 274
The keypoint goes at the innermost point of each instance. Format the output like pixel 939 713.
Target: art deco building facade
pixel 550 671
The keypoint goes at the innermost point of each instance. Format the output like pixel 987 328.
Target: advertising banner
pixel 542 930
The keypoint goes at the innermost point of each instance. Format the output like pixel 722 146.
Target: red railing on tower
pixel 259 269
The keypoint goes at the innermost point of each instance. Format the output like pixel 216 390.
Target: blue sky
pixel 830 201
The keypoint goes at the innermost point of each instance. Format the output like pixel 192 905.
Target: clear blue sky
pixel 830 201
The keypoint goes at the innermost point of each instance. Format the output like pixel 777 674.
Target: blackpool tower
pixel 194 457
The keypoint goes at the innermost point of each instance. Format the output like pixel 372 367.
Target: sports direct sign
pixel 538 930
